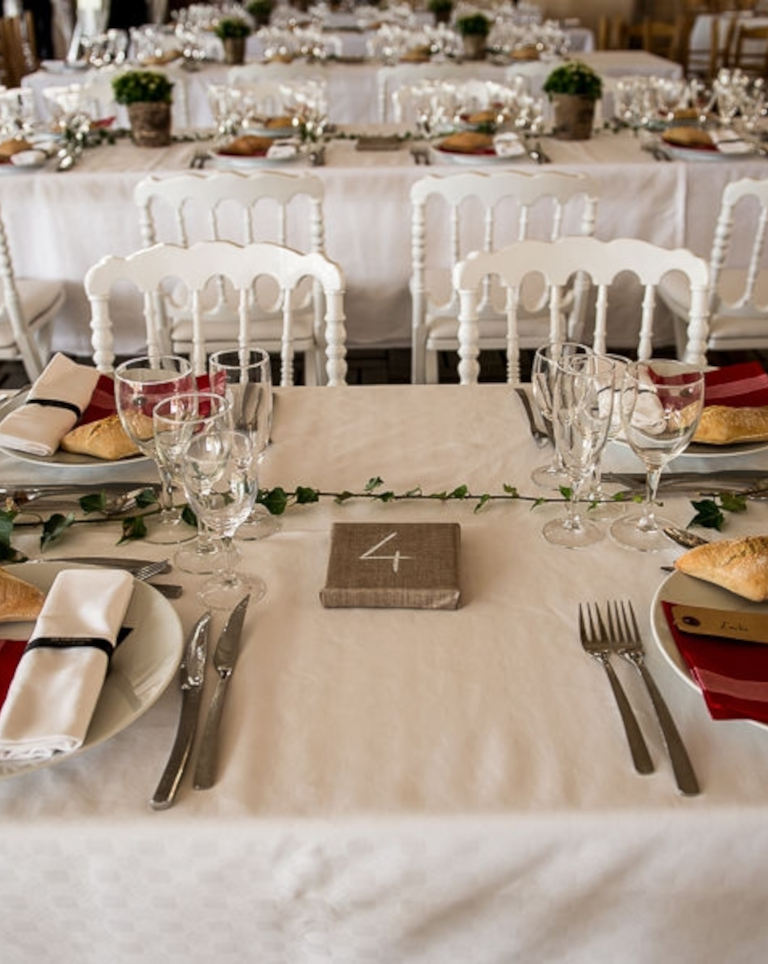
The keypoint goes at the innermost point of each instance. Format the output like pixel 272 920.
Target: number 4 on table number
pixel 369 553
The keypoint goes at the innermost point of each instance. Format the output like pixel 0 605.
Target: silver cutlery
pixel 684 537
pixel 539 436
pixel 191 679
pixel 114 562
pixel 745 481
pixel 224 659
pixel 625 635
pixel 594 640
pixel 29 493
pixel 317 156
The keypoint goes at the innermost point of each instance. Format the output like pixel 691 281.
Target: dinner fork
pixel 625 635
pixel 594 639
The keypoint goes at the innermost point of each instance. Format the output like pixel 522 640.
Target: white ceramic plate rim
pixel 70 460
pixel 697 450
pixel 681 588
pixel 692 154
pixel 141 667
pixel 245 161
pixel 458 158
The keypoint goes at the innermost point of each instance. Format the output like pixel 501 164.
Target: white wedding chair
pixel 485 211
pixel 276 72
pixel 28 308
pixel 243 266
pixel 262 205
pixel 557 262
pixel 738 303
pixel 390 79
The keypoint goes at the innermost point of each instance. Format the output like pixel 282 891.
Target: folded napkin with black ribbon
pixel 53 406
pixel 732 675
pixel 57 682
pixel 738 386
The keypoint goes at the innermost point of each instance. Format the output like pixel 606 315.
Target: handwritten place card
pixel 406 565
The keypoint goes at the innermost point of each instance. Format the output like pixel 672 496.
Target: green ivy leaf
pixel 540 501
pixel 510 490
pixel 54 527
pixel 485 497
pixel 343 496
pixel 188 516
pixel 305 495
pixel 413 493
pixel 6 526
pixel 566 492
pixel 438 495
pixel 275 500
pixel 708 515
pixel 94 502
pixel 146 497
pixel 373 483
pixel 134 527
pixel 9 554
pixel 385 496
pixel 460 492
pixel 732 502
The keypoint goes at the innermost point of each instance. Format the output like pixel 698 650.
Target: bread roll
pixel 19 600
pixel 740 565
pixel 14 146
pixel 526 52
pixel 248 145
pixel 277 123
pixel 416 55
pixel 482 117
pixel 468 142
pixel 104 439
pixel 723 425
pixel 687 137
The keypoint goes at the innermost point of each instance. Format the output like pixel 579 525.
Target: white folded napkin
pixel 728 142
pixel 508 145
pixel 53 406
pixel 57 683
pixel 281 151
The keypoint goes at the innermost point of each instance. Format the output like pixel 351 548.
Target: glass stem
pixel 648 521
pixel 227 568
pixel 166 495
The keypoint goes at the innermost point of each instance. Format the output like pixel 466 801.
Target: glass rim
pixel 206 394
pixel 152 361
pixel 215 358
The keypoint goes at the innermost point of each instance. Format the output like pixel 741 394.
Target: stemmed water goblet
pixel 244 376
pixel 582 401
pixel 609 370
pixel 660 403
pixel 220 475
pixel 176 420
pixel 543 372
pixel 140 384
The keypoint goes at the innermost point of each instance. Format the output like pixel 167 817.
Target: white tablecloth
pixel 403 785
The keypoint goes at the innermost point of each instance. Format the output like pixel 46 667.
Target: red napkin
pixel 102 401
pixel 737 385
pixel 11 651
pixel 733 676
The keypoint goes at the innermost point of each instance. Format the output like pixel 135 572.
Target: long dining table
pixel 401 784
pixel 60 224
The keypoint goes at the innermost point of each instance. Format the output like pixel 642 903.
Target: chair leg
pixel 312 361
pixel 431 376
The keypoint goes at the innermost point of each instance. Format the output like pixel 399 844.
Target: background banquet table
pixel 404 785
pixel 352 88
pixel 61 224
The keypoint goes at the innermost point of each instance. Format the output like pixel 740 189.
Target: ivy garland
pixel 710 513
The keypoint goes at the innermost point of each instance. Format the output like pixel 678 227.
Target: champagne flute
pixel 661 403
pixel 244 376
pixel 581 416
pixel 609 369
pixel 543 372
pixel 219 470
pixel 177 419
pixel 140 384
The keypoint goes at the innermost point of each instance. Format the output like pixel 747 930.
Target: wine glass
pixel 140 384
pixel 244 376
pixel 609 370
pixel 543 371
pixel 581 416
pixel 661 403
pixel 219 470
pixel 177 419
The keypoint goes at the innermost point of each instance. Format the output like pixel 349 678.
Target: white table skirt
pixel 404 785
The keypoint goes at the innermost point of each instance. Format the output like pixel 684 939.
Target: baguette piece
pixel 104 439
pixel 740 565
pixel 19 600
pixel 682 136
pixel 467 142
pixel 248 145
pixel 723 424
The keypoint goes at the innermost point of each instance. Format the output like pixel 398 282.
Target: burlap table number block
pixel 406 565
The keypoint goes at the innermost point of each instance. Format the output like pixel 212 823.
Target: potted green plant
pixel 441 10
pixel 260 11
pixel 474 28
pixel 147 94
pixel 233 31
pixel 573 89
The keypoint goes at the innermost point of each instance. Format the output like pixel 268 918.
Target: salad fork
pixel 625 635
pixel 594 639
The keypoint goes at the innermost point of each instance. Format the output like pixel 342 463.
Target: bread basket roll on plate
pixel 740 565
pixel 15 145
pixel 248 145
pixel 723 425
pixel 467 142
pixel 20 601
pixel 682 136
pixel 104 439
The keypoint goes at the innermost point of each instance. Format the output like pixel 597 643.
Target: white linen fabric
pixel 54 691
pixel 38 429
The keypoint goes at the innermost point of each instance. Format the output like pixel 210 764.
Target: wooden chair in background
pixel 750 51
pixel 19 49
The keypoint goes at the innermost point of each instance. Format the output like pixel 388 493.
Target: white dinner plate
pixel 700 451
pixel 60 458
pixel 242 162
pixel 11 169
pixel 705 154
pixel 679 587
pixel 456 157
pixel 140 670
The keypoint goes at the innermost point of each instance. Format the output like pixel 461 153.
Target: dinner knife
pixel 731 479
pixel 224 659
pixel 112 562
pixel 191 679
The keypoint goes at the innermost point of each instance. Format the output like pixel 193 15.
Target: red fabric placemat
pixel 733 676
pixel 737 386
pixel 102 401
pixel 11 651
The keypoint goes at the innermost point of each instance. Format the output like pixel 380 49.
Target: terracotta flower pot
pixel 574 117
pixel 150 124
pixel 234 50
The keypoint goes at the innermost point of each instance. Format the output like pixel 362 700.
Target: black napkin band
pixel 78 642
pixel 55 403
